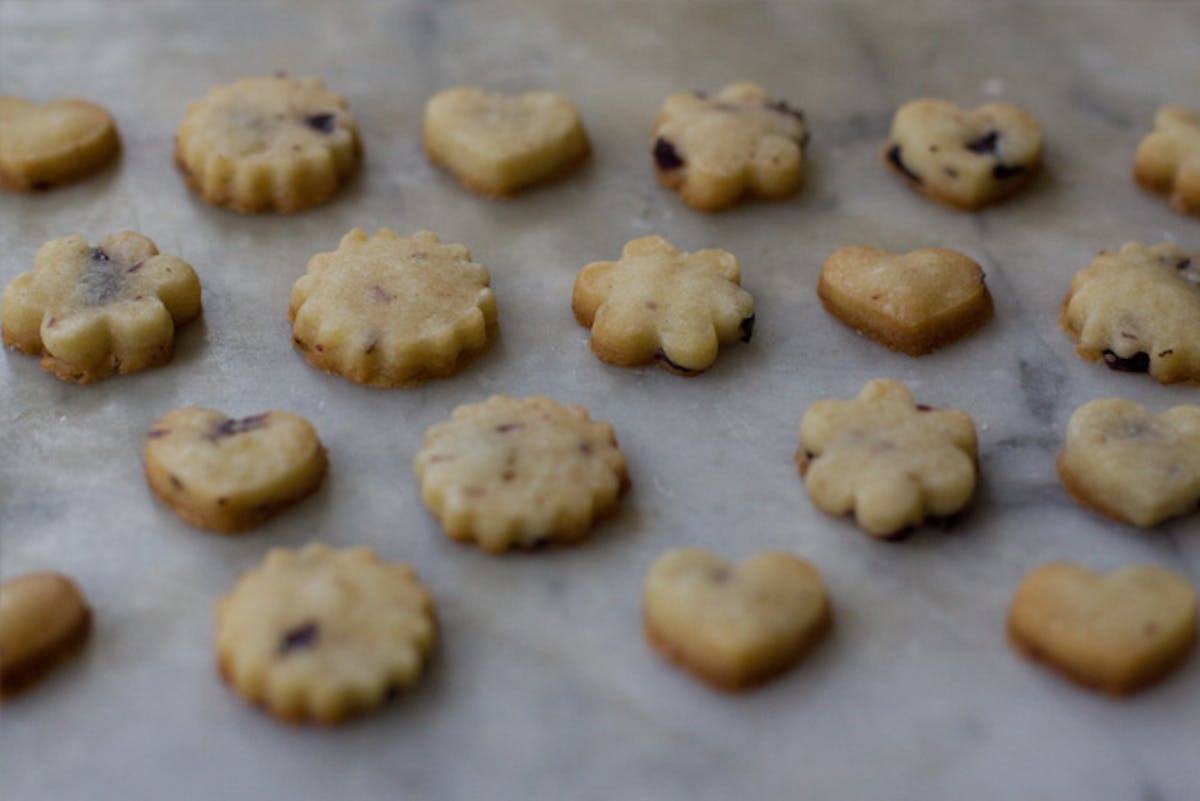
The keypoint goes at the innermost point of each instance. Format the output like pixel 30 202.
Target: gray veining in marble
pixel 543 687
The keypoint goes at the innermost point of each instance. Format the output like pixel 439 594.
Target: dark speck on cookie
pixel 893 156
pixel 320 122
pixel 303 636
pixel 984 144
pixel 665 155
pixel 1137 363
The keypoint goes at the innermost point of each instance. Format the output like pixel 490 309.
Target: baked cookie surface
pixel 392 311
pixel 43 618
pixel 319 634
pixel 1116 632
pixel 739 142
pixel 914 303
pixel 734 626
pixel 658 304
pixel 1138 311
pixel 230 475
pixel 91 312
pixel 497 144
pixel 268 144
pixel 512 472
pixel 887 460
pixel 966 159
pixel 1130 464
pixel 46 144
pixel 1168 159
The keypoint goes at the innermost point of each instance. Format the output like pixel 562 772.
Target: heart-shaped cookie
pixel 1115 632
pixel 734 626
pixel 1135 466
pixel 45 144
pixel 230 475
pixel 496 144
pixel 914 303
pixel 965 159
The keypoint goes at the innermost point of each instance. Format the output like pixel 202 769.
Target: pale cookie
pixel 319 634
pixel 230 475
pixel 734 626
pixel 1135 466
pixel 497 144
pixel 392 311
pixel 658 304
pixel 511 472
pixel 43 145
pixel 267 144
pixel 1168 160
pixel 715 150
pixel 887 460
pixel 1116 632
pixel 43 617
pixel 1138 311
pixel 914 303
pixel 965 159
pixel 91 312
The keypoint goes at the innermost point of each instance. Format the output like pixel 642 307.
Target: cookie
pixel 1116 632
pixel 1138 311
pixel 740 142
pixel 497 144
pixel 319 634
pixel 268 144
pixel 1168 160
pixel 914 303
pixel 43 618
pixel 511 472
pixel 965 159
pixel 230 475
pixel 392 311
pixel 887 460
pixel 1135 466
pixel 91 312
pixel 734 626
pixel 658 304
pixel 43 145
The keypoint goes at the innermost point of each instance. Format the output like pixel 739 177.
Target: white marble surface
pixel 543 687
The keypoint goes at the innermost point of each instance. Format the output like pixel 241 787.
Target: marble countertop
pixel 543 686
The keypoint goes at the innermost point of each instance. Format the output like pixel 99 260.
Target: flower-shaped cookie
pixel 1168 160
pixel 392 311
pixel 272 143
pixel 90 312
pixel 1131 464
pixel 714 150
pixel 657 303
pixel 1138 311
pixel 734 626
pixel 1116 632
pixel 496 144
pixel 520 472
pixel 230 475
pixel 965 159
pixel 318 634
pixel 886 459
pixel 914 303
pixel 42 145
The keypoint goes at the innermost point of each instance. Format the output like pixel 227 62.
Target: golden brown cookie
pixel 46 144
pixel 734 626
pixel 318 634
pixel 231 475
pixel 914 303
pixel 1116 632
pixel 392 311
pixel 91 312
pixel 512 472
pixel 271 143
pixel 1168 159
pixel 43 617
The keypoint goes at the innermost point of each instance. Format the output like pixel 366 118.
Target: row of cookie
pixel 278 143
pixel 319 634
pixel 390 311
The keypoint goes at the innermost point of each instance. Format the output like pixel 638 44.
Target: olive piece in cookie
pixel 966 159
